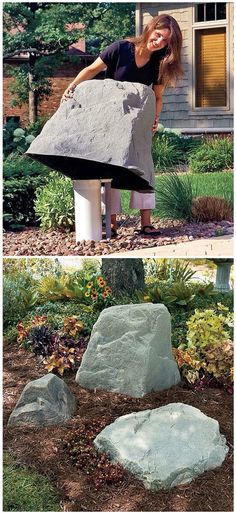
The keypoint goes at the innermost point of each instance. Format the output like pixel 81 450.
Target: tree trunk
pixel 124 276
pixel 223 274
pixel 33 108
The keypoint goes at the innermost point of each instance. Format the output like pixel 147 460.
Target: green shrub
pixel 174 197
pixel 16 140
pixel 22 176
pixel 8 139
pixel 18 297
pixel 35 128
pixel 170 148
pixel 56 312
pixel 54 205
pixel 212 155
pixel 165 152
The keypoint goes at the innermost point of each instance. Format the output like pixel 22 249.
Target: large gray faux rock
pixel 130 351
pixel 164 447
pixel 104 131
pixel 45 401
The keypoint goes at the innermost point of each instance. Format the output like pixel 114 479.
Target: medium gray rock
pixel 104 131
pixel 45 401
pixel 130 351
pixel 164 447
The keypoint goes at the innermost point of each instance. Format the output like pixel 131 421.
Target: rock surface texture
pixel 164 447
pixel 104 131
pixel 130 351
pixel 45 401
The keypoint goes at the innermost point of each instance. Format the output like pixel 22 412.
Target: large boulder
pixel 45 401
pixel 104 131
pixel 130 351
pixel 164 447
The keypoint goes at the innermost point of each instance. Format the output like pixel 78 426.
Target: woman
pixel 152 59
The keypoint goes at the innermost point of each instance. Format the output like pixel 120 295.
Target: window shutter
pixel 211 68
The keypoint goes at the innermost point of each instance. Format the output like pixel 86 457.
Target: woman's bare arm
pixel 158 90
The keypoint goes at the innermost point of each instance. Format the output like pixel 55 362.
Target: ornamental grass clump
pixel 211 208
pixel 175 196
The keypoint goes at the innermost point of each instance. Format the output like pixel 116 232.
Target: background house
pixel 203 101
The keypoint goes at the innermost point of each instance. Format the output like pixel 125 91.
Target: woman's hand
pixel 155 125
pixel 68 93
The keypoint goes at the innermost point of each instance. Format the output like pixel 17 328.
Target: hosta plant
pixel 178 293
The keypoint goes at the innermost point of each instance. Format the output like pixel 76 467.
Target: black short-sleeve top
pixel 119 58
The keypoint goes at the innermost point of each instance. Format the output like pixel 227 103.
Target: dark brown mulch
pixel 43 448
pixel 33 241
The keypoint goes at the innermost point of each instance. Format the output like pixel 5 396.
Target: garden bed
pixel 43 449
pixel 33 241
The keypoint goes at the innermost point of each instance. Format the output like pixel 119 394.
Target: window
pixel 15 119
pixel 210 67
pixel 210 12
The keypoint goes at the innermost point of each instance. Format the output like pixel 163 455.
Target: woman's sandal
pixel 144 231
pixel 113 233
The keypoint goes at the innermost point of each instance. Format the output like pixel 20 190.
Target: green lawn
pixel 204 184
pixel 26 491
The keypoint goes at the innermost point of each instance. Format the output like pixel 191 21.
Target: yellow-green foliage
pixel 209 327
pixel 209 349
pixel 52 287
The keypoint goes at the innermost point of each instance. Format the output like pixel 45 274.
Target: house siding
pixel 178 105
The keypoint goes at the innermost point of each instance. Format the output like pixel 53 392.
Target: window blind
pixel 211 90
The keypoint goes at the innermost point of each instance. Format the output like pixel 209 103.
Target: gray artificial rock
pixel 45 401
pixel 130 351
pixel 104 131
pixel 164 447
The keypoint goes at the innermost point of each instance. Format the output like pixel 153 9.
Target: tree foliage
pixel 44 31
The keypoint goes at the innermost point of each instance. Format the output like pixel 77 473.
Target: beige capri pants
pixel 137 201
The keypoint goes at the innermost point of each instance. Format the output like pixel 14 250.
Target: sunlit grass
pixel 26 491
pixel 203 184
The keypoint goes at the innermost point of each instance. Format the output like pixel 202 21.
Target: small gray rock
pixel 164 447
pixel 45 401
pixel 130 351
pixel 104 131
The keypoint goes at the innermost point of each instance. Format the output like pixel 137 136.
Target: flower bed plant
pixel 95 466
pixel 59 351
pixel 207 352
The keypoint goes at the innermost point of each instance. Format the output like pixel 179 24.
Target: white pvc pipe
pixel 88 221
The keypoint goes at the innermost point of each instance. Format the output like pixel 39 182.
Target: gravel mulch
pixel 33 241
pixel 43 448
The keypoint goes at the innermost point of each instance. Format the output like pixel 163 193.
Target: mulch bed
pixel 33 241
pixel 43 448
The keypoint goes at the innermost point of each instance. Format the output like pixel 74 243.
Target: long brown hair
pixel 170 69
